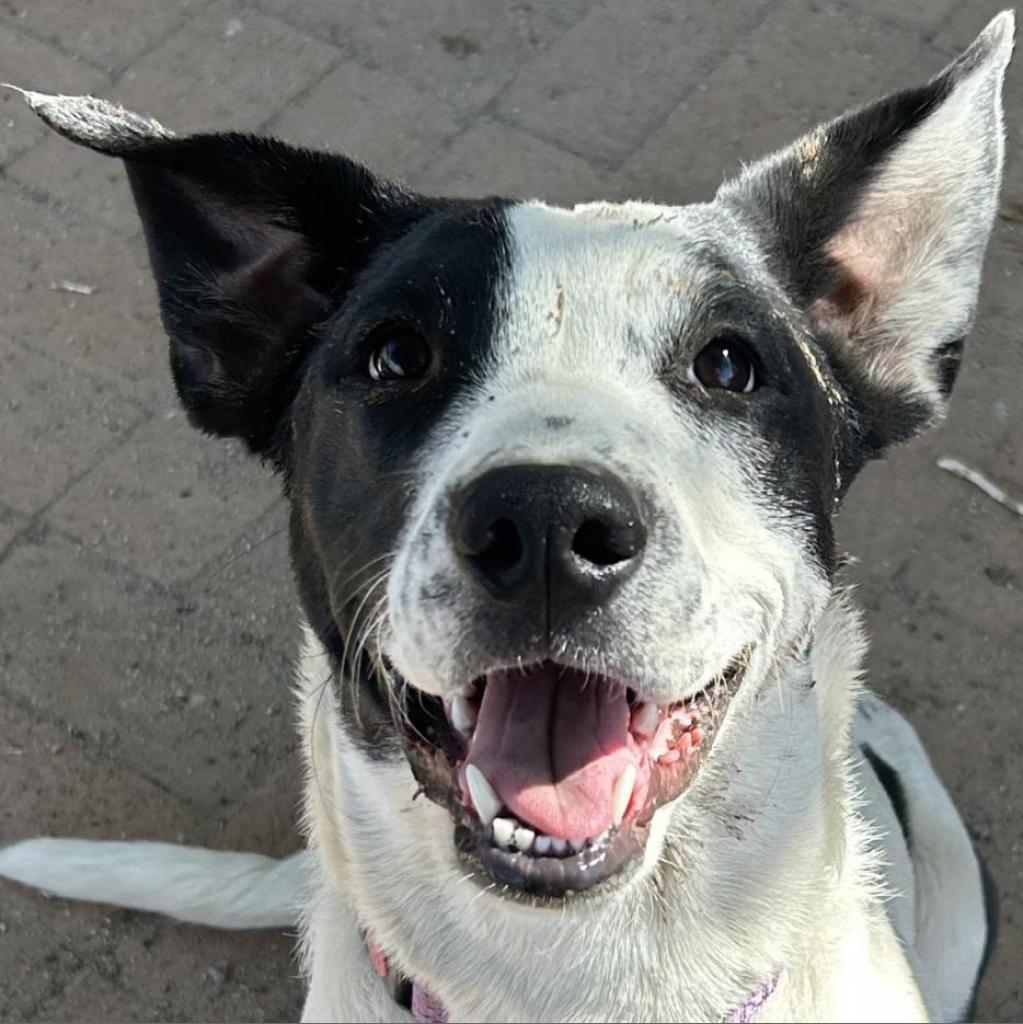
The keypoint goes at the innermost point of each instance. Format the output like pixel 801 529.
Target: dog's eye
pixel 726 364
pixel 399 353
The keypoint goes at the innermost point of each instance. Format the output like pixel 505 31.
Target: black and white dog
pixel 580 699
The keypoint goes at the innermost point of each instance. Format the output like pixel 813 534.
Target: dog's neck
pixel 759 869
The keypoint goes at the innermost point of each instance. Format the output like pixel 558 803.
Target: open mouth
pixel 552 775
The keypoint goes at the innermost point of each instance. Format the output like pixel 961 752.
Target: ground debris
pixel 992 490
pixel 1012 210
pixel 74 287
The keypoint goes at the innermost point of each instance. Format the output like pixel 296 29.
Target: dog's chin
pixel 552 775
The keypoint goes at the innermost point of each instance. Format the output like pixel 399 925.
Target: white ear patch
pixel 98 124
pixel 909 259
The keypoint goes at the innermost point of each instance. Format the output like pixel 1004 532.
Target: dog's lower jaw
pixel 682 942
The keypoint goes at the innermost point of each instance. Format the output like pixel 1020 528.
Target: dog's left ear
pixel 876 223
pixel 253 243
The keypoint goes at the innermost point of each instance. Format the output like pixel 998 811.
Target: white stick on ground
pixel 993 491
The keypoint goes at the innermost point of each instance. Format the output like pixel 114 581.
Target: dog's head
pixel 563 480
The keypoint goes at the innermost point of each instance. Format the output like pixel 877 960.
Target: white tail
pixel 208 887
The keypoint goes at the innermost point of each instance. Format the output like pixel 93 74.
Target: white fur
pixel 208 887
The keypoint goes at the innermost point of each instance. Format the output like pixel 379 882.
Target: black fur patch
pixel 949 358
pixel 274 265
pixel 357 442
pixel 991 909
pixel 795 426
pixel 889 779
pixel 252 243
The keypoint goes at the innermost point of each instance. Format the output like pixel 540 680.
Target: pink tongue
pixel 552 746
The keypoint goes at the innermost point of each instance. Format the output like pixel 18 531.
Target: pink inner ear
pixel 272 286
pixel 877 257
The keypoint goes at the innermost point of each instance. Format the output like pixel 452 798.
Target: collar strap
pixel 748 1010
pixel 410 995
pixel 427 1009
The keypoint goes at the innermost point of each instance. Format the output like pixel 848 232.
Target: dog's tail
pixel 207 887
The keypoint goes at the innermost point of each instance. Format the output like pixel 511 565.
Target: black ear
pixel 876 224
pixel 252 243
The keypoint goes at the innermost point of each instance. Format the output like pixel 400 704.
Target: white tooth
pixel 559 846
pixel 484 799
pixel 504 829
pixel 542 845
pixel 577 844
pixel 645 718
pixel 622 793
pixel 524 838
pixel 462 714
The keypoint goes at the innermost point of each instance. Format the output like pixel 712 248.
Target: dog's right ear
pixel 252 243
pixel 876 225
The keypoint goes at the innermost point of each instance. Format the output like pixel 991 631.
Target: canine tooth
pixel 484 799
pixel 542 845
pixel 577 844
pixel 622 793
pixel 645 718
pixel 504 830
pixel 524 838
pixel 559 846
pixel 463 715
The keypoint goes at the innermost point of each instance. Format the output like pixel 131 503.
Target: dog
pixel 580 696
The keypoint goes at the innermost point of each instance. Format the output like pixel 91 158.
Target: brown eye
pixel 399 353
pixel 725 364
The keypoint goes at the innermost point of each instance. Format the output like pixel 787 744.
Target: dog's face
pixel 558 476
pixel 563 481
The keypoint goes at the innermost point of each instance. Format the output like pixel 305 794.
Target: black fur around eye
pixel 726 365
pixel 398 352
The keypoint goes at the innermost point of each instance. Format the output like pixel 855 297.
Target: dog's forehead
pixel 625 276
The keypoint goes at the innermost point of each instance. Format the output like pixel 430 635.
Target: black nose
pixel 560 536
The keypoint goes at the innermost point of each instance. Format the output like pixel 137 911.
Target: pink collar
pixel 427 1009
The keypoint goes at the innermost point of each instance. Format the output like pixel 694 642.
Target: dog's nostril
pixel 502 549
pixel 602 543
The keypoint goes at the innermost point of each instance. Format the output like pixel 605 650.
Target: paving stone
pixel 10 524
pixel 114 331
pixel 494 159
pixel 110 33
pixel 80 962
pixel 462 52
pixel 608 81
pixel 51 785
pixel 46 449
pixel 230 67
pixel 780 81
pixel 188 688
pixel 372 116
pixel 919 14
pixel 31 64
pixel 89 183
pixel 268 820
pixel 168 500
